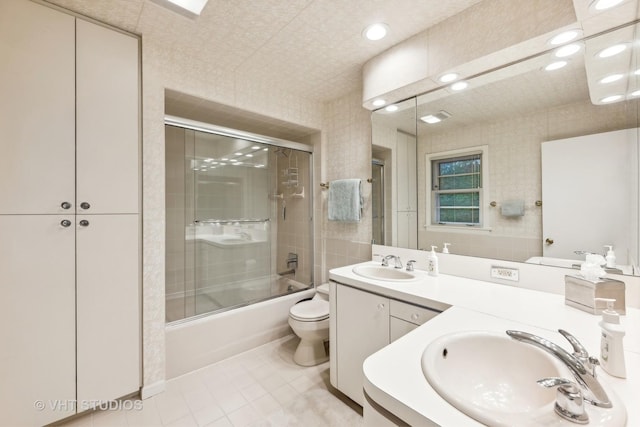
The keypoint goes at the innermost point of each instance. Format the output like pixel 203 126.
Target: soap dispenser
pixel 611 348
pixel 432 262
pixel 445 250
pixel 611 257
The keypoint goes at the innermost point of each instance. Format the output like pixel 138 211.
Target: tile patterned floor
pixel 261 387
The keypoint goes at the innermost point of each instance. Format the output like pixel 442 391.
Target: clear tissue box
pixel 582 293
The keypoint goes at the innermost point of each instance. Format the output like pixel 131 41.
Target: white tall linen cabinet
pixel 70 316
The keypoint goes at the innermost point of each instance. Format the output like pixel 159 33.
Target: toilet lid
pixel 310 311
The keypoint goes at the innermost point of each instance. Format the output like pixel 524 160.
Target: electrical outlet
pixel 505 273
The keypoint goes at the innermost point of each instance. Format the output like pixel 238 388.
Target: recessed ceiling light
pixel 612 98
pixel 612 50
pixel 255 147
pixel 391 108
pixel 208 160
pixel 191 8
pixel 567 50
pixel 249 155
pixel 265 149
pixel 459 86
pixel 605 4
pixel 449 77
pixel 564 37
pixel 375 31
pixel 379 102
pixel 237 163
pixel 238 153
pixel 555 65
pixel 612 78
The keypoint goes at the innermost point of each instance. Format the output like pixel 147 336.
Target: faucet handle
pixel 579 350
pixel 569 400
pixel 410 264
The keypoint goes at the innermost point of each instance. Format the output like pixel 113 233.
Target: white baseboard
pixel 151 390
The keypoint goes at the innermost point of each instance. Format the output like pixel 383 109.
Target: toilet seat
pixel 310 311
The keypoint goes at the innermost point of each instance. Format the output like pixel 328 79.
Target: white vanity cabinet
pixel 362 323
pixel 69 213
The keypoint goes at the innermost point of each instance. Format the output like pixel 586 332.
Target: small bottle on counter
pixel 432 262
pixel 611 348
pixel 611 257
pixel 445 250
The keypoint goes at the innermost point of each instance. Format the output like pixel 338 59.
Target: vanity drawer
pixel 411 313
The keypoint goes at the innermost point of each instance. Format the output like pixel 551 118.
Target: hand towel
pixel 345 200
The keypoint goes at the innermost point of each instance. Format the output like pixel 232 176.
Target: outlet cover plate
pixel 505 273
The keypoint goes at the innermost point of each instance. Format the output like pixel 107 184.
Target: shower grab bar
pixel 229 221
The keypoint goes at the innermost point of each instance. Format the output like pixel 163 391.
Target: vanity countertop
pixel 393 375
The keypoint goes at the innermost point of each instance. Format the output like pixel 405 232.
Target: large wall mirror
pixel 532 162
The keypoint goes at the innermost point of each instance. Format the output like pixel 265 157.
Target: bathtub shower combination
pixel 239 225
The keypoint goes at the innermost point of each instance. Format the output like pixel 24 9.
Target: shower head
pixel 281 152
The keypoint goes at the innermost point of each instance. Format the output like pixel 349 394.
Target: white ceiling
pixel 311 48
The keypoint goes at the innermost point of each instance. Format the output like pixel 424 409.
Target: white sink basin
pixel 378 272
pixel 492 378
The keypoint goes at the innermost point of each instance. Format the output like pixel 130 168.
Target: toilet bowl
pixel 309 320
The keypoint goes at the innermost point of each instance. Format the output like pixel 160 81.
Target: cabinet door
pixel 107 74
pixel 362 329
pixel 399 328
pixel 108 295
pixel 37 319
pixel 37 109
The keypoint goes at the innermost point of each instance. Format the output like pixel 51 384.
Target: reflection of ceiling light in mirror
pixel 564 37
pixel 375 31
pixel 612 78
pixel 459 86
pixel 237 163
pixel 249 155
pixel 379 102
pixel 223 164
pixel 436 117
pixel 605 4
pixel 224 159
pixel 259 166
pixel 391 108
pixel 637 72
pixel 635 93
pixel 555 65
pixel 208 160
pixel 567 50
pixel 612 98
pixel 449 77
pixel 238 154
pixel 612 50
pixel 265 149
pixel 255 147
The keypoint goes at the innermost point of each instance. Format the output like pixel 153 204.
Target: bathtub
pixel 198 342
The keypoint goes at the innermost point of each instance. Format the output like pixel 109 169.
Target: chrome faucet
pixel 385 261
pixel 581 365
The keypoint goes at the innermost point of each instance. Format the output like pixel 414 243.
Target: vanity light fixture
pixel 564 37
pixel 391 108
pixel 612 50
pixel 449 77
pixel 611 78
pixel 379 102
pixel 459 86
pixel 555 65
pixel 605 4
pixel 436 117
pixel 567 50
pixel 375 31
pixel 609 99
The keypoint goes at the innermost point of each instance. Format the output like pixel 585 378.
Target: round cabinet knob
pixel 65 205
pixel 84 223
pixel 65 223
pixel 85 205
pixel 380 306
pixel 549 241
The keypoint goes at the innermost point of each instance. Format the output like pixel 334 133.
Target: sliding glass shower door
pixel 245 221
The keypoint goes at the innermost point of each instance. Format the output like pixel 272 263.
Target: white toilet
pixel 309 320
